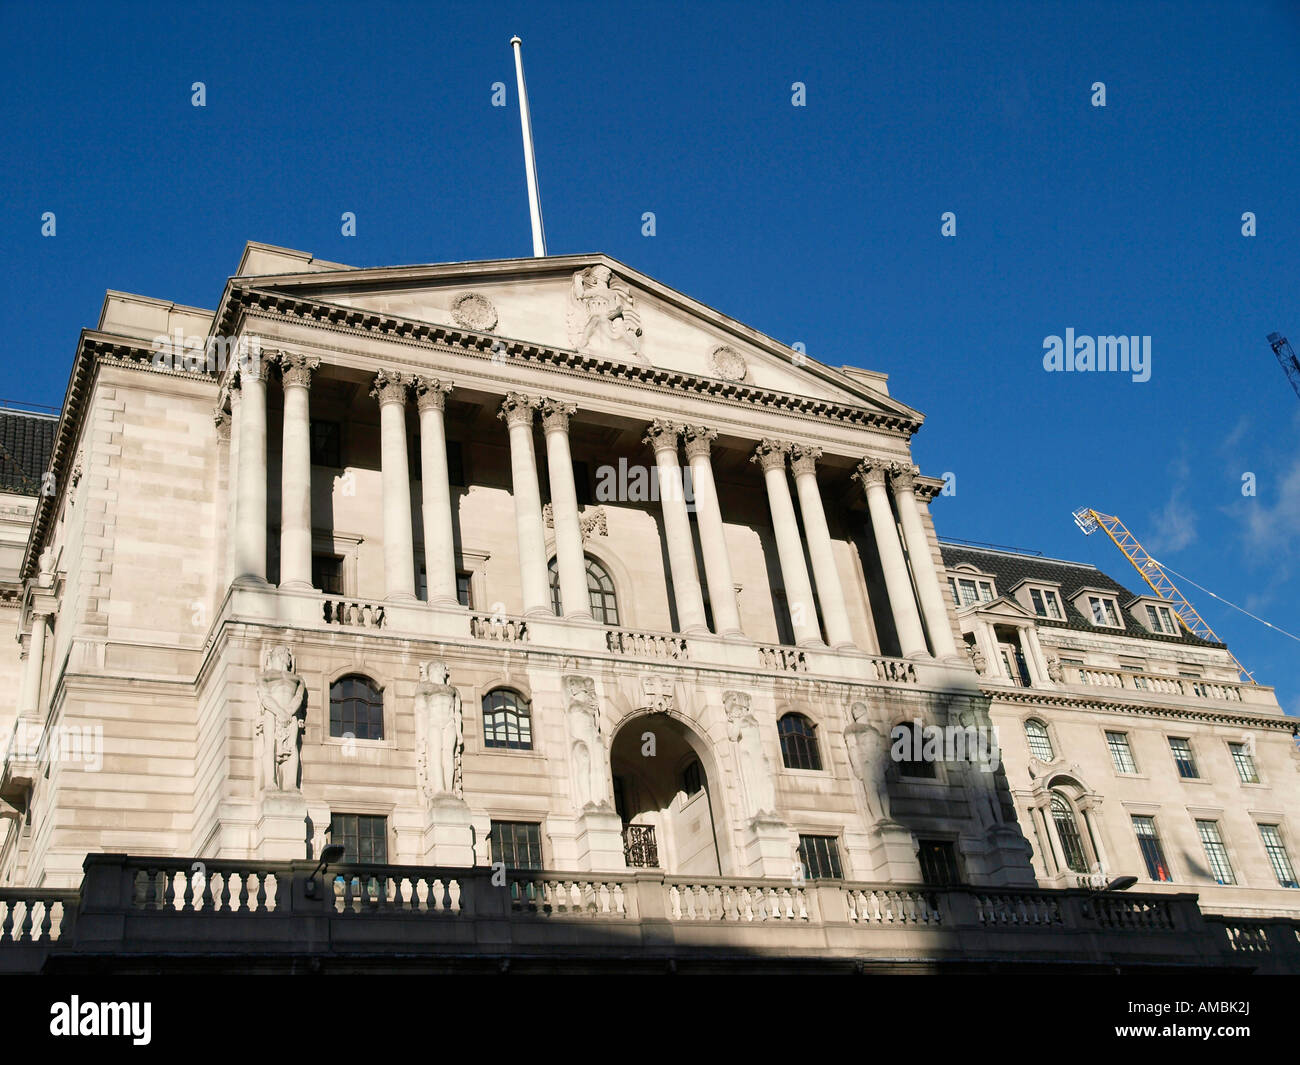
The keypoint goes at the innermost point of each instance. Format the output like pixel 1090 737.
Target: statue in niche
pixel 1055 671
pixel 283 698
pixel 755 767
pixel 602 316
pixel 440 732
pixel 869 756
pixel 977 658
pixel 981 779
pixel 585 743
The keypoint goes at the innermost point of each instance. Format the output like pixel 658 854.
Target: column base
pixel 251 580
pixel 448 835
pixel 769 848
pixel 402 597
pixel 281 831
pixel 919 656
pixel 297 586
pixel 599 840
pixel 892 851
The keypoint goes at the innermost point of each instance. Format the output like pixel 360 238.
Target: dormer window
pixel 968 590
pixel 1161 619
pixel 1104 612
pixel 1047 603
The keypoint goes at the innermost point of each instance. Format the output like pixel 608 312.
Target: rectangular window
pixel 692 778
pixel 1036 597
pixel 938 862
pixel 463 579
pixel 820 856
pixel 1152 852
pixel 1162 620
pixel 455 463
pixel 582 483
pixel 1215 852
pixel 1120 753
pixel 1046 605
pixel 327 574
pixel 517 844
pixel 364 838
pixel 968 592
pixel 1244 762
pixel 986 592
pixel 1182 752
pixel 1277 855
pixel 1104 612
pixel 326 444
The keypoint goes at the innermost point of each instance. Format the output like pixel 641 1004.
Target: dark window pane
pixel 938 862
pixel 327 574
pixel 455 463
pixel 356 707
pixel 692 777
pixel 326 447
pixel 798 742
pixel 364 837
pixel 582 483
pixel 820 856
pixel 462 588
pixel 1067 829
pixel 517 844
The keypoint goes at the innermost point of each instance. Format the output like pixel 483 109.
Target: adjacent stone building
pixel 539 565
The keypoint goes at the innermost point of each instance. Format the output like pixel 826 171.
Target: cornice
pixel 1041 697
pixel 350 320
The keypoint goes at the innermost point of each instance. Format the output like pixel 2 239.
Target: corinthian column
pixel 227 432
pixel 435 492
pixel 295 472
pixel 902 479
pixel 898 583
pixel 803 461
pixel 713 544
pixel 517 412
pixel 770 456
pixel 250 506
pixel 569 557
pixel 29 692
pixel 662 437
pixel 399 543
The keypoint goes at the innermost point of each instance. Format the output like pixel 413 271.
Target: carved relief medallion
pixel 472 311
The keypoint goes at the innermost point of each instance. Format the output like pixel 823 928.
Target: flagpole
pixel 530 161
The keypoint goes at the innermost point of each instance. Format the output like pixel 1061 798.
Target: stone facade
pixel 650 580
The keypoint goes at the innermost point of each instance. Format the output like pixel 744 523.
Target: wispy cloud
pixel 1174 527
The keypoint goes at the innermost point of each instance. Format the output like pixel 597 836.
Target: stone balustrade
pixel 353 613
pixel 1157 684
pixel 660 645
pixel 894 670
pixel 498 628
pixel 783 659
pixel 269 916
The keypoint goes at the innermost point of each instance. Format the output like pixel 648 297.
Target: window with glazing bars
pixel 1244 762
pixel 913 762
pixel 1040 743
pixel 1067 829
pixel 1215 852
pixel 798 742
pixel 356 708
pixel 1120 753
pixel 327 574
pixel 1277 855
pixel 1149 844
pixel 507 720
pixel 1182 752
pixel 938 860
pixel 820 856
pixel 364 837
pixel 517 844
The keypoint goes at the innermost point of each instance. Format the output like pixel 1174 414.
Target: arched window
pixel 507 720
pixel 1040 743
pixel 1068 831
pixel 798 742
pixel 912 761
pixel 600 590
pixel 356 708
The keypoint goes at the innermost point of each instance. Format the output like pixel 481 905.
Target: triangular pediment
pixel 1002 607
pixel 587 303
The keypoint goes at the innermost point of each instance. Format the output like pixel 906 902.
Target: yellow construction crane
pixel 1089 521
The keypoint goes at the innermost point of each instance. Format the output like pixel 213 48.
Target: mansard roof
pixel 26 440
pixel 1010 569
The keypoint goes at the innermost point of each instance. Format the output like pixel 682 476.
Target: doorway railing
pixel 639 847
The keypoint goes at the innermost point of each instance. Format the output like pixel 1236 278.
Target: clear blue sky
pixel 819 223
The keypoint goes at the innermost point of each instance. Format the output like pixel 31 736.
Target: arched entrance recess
pixel 669 802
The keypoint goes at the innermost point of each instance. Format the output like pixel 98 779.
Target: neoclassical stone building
pixel 534 566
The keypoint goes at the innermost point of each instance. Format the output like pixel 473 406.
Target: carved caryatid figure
pixel 585 742
pixel 602 314
pixel 869 756
pixel 755 767
pixel 283 697
pixel 441 732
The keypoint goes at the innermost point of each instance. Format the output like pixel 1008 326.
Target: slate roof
pixel 26 440
pixel 1010 568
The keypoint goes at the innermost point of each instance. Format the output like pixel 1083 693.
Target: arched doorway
pixel 666 800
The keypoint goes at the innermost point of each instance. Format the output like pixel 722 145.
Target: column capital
pixel 252 365
pixel 431 392
pixel 902 475
pixel 770 454
pixel 870 471
pixel 297 369
pixel 661 435
pixel 556 414
pixel 390 387
pixel 803 458
pixel 221 419
pixel 517 409
pixel 698 439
